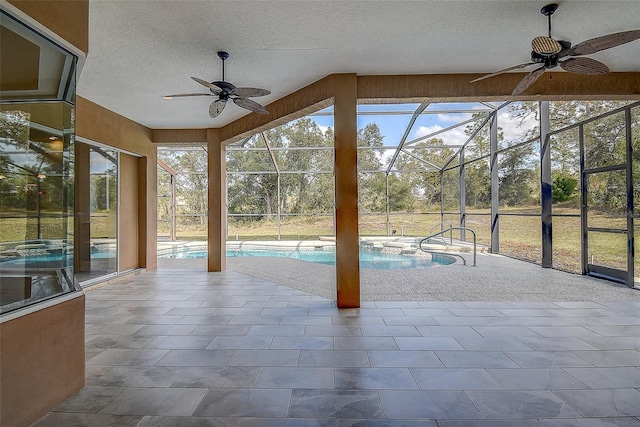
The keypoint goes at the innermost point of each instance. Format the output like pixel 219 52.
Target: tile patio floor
pixel 190 348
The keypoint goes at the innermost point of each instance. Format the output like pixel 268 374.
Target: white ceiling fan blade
pixel 186 94
pixel 608 41
pixel 584 66
pixel 248 92
pixel 515 67
pixel 216 107
pixel 205 83
pixel 250 105
pixel 527 81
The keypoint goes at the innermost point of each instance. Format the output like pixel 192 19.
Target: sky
pixel 446 115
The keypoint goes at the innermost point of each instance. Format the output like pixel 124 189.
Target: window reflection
pixel 97 206
pixel 37 92
pixel 36 203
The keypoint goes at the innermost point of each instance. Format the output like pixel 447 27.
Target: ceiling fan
pixel 225 91
pixel 550 53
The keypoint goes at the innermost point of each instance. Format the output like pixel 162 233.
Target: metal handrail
pixel 444 241
pixel 440 225
pixel 450 229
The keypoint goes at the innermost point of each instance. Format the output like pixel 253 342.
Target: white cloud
pixel 324 129
pixel 512 129
pixel 426 130
pixel 452 118
pixel 455 136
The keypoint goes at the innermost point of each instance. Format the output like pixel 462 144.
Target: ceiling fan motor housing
pixel 226 87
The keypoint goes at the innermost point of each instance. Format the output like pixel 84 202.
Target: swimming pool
pixel 368 258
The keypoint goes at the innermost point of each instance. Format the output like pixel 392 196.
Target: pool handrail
pixel 450 229
pixel 440 224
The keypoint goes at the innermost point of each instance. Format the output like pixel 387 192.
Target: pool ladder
pixel 450 230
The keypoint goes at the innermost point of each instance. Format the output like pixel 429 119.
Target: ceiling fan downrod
pixel 223 56
pixel 547 11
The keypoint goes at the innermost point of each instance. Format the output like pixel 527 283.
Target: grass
pixel 520 236
pixel 54 226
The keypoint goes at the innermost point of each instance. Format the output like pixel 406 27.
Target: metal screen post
pixel 387 200
pixel 493 155
pixel 584 185
pixel 546 182
pixel 172 209
pixel 441 200
pixel 630 228
pixel 279 207
pixel 463 198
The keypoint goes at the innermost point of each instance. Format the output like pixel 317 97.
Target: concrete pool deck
pixel 495 278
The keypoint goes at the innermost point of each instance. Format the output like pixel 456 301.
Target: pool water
pixel 368 259
pixel 62 259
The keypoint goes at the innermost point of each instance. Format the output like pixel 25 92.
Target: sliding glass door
pixel 97 212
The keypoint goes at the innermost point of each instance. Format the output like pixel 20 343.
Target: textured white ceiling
pixel 142 49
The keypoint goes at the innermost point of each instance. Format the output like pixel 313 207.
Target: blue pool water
pixel 368 259
pixel 50 260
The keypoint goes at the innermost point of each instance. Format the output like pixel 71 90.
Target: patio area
pixel 183 347
pixel 495 278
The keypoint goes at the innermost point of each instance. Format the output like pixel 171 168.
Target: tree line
pixel 302 154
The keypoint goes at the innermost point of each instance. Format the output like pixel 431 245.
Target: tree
pixel 477 173
pixel 191 183
pixel 371 184
pixel 564 186
pixel 428 155
pixel 516 176
pixel 305 187
pixel 604 144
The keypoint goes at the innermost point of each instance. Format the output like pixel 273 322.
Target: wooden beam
pixel 300 103
pixel 458 87
pixel 179 136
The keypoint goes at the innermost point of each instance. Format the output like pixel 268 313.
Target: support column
pixel 495 201
pixel 217 202
pixel 546 182
pixel 346 190
pixel 148 210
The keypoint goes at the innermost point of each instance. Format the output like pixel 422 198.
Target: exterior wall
pixel 42 349
pixel 98 124
pixel 69 19
pixel 41 361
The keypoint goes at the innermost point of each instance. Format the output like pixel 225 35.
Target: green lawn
pixel 520 236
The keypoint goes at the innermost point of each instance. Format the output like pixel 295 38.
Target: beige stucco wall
pixel 41 361
pixel 99 124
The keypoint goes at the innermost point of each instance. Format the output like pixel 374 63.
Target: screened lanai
pixel 430 167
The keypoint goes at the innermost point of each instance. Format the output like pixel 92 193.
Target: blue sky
pixel 444 115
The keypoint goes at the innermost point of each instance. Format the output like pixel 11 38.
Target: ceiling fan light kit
pixel 225 91
pixel 549 53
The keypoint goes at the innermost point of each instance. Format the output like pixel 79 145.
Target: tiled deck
pixel 186 347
